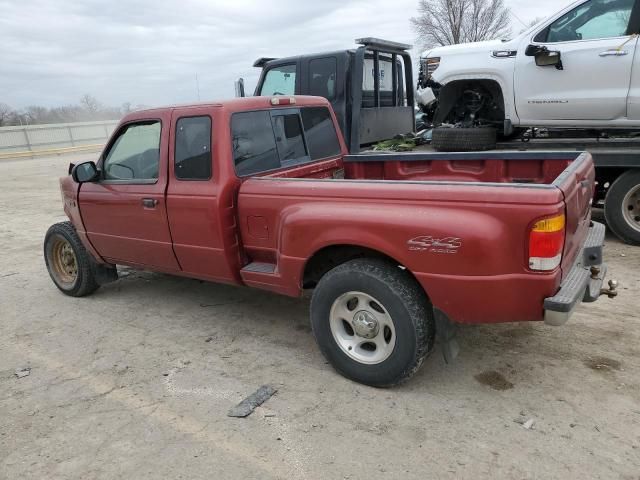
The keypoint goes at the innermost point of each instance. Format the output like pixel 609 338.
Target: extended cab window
pixel 135 154
pixel 254 146
pixel 320 132
pixel 592 20
pixel 193 148
pixel 279 81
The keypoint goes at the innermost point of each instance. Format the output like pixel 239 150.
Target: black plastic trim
pixel 421 157
pixel 578 285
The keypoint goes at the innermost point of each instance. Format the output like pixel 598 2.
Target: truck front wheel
pixel 372 322
pixel 68 262
pixel 622 207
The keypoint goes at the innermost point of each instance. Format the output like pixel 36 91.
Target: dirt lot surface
pixel 135 381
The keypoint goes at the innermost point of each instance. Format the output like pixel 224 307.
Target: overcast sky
pixel 149 51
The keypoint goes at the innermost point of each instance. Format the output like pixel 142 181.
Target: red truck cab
pixel 261 192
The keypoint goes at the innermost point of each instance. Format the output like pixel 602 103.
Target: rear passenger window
pixel 322 77
pixel 193 148
pixel 322 139
pixel 254 145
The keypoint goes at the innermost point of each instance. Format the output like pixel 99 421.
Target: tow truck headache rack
pixel 377 122
pixel 371 87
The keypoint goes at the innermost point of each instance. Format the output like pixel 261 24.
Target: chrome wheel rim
pixel 63 261
pixel 631 208
pixel 362 328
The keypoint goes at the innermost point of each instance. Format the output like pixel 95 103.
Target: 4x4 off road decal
pixel 427 243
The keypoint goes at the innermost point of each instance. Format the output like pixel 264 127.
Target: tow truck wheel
pixel 622 207
pixel 68 262
pixel 372 322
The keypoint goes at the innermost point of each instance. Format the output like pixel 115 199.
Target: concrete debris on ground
pixel 249 404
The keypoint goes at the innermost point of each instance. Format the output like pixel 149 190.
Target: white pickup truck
pixel 578 69
pixel 573 70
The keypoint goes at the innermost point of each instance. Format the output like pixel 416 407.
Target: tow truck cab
pixel 370 88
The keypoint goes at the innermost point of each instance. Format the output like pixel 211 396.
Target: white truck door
pixel 597 53
pixel 633 105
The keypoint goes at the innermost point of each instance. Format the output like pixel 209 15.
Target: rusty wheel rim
pixel 64 263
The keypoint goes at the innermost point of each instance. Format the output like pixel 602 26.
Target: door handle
pixel 149 202
pixel 614 53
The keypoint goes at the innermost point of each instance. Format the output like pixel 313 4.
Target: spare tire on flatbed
pixel 458 139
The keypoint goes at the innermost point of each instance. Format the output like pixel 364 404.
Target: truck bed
pixel 487 202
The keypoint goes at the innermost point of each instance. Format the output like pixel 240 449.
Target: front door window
pixel 595 19
pixel 135 154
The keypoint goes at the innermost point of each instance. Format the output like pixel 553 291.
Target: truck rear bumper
pixel 583 283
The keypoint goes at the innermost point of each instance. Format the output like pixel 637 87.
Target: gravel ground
pixel 136 380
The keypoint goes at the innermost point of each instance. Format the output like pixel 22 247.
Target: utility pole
pixel 198 87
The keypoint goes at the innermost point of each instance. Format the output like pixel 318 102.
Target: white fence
pixel 33 138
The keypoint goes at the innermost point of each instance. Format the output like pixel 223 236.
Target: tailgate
pixel 577 183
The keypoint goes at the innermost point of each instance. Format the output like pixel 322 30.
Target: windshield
pixel 279 81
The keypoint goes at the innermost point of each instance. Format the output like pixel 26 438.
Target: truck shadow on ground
pixel 496 358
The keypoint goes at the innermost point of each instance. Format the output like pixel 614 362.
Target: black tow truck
pixel 370 87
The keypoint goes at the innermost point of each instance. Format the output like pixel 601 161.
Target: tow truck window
pixel 193 148
pixel 254 146
pixel 322 139
pixel 592 20
pixel 386 82
pixel 135 154
pixel 279 81
pixel 322 77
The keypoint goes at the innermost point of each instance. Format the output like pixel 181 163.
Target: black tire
pixel 621 216
pixel 458 139
pixel 407 305
pixel 84 281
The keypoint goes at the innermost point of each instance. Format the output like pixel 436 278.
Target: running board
pixel 260 267
pixel 267 276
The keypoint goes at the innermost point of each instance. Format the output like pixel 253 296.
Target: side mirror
pixel 533 50
pixel 85 172
pixel 545 57
pixel 240 88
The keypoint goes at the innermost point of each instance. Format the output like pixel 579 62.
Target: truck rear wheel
pixel 372 322
pixel 622 207
pixel 459 139
pixel 68 262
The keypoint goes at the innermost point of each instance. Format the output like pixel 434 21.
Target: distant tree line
pixel 87 110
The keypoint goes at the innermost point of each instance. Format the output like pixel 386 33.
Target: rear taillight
pixel 546 242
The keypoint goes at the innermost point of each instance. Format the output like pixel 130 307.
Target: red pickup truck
pixel 396 247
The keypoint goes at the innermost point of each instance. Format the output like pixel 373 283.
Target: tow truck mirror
pixel 240 88
pixel 85 172
pixel 545 57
